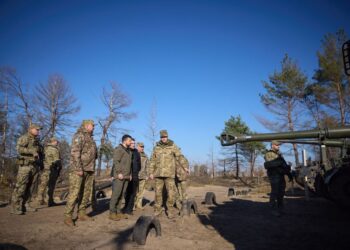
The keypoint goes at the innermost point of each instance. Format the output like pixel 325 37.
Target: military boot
pixel 170 214
pixel 158 212
pixel 178 205
pixel 124 215
pixel 39 203
pixel 29 208
pixel 69 221
pixel 82 216
pixel 114 216
pixel 139 207
pixel 15 210
pixel 52 204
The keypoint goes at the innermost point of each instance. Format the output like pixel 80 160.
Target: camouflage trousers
pixel 118 194
pixel 140 192
pixel 27 176
pixel 48 179
pixel 170 192
pixel 181 194
pixel 278 185
pixel 80 191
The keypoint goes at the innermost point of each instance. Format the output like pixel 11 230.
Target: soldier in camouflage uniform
pixel 143 175
pixel 182 171
pixel 276 169
pixel 82 172
pixel 29 160
pixel 48 178
pixel 121 175
pixel 162 168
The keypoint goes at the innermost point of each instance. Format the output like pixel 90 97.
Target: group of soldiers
pixel 131 169
pixel 31 162
pixel 167 166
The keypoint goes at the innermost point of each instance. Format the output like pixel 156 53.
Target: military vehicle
pixel 329 177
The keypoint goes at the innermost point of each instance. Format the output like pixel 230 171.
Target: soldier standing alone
pixel 82 171
pixel 162 168
pixel 29 160
pixel 52 168
pixel 276 168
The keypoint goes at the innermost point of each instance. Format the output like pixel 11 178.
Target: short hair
pixel 125 137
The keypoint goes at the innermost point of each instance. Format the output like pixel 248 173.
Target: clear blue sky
pixel 202 61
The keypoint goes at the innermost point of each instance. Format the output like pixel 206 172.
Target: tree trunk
pixel 291 128
pixel 252 164
pixel 341 103
pixel 99 164
pixel 4 133
pixel 237 163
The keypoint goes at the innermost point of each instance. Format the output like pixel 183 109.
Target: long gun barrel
pixel 321 134
pixel 328 143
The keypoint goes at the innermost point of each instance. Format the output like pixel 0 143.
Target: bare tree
pixel 56 105
pixel 152 128
pixel 14 105
pixel 116 101
pixel 211 159
pixel 13 86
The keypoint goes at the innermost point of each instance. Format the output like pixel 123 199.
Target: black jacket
pixel 136 164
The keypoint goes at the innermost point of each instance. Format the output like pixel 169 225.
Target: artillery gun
pixel 329 177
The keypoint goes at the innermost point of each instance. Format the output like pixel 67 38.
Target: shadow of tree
pixel 121 241
pixel 314 224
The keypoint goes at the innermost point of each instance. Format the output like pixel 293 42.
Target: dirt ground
pixel 238 222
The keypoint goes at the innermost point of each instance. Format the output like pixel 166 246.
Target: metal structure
pixel 329 177
pixel 346 57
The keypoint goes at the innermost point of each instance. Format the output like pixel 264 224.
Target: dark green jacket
pixel 121 161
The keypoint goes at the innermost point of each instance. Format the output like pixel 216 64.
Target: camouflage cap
pixel 52 139
pixel 163 133
pixel 274 142
pixel 88 122
pixel 34 125
pixel 140 144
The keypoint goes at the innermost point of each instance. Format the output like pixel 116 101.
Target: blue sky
pixel 202 61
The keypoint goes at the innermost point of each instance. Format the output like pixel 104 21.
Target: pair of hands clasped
pixel 122 177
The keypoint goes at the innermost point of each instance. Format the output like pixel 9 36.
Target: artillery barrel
pixel 328 143
pixel 322 134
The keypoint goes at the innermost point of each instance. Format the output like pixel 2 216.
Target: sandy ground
pixel 238 222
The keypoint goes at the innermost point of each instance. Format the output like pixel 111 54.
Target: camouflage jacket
pixel 52 156
pixel 29 150
pixel 121 161
pixel 275 163
pixel 83 152
pixel 163 159
pixel 181 167
pixel 143 174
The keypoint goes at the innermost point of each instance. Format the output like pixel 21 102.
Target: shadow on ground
pixel 121 241
pixel 314 224
pixel 101 206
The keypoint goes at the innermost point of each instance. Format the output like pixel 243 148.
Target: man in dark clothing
pixel 276 168
pixel 121 174
pixel 134 183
